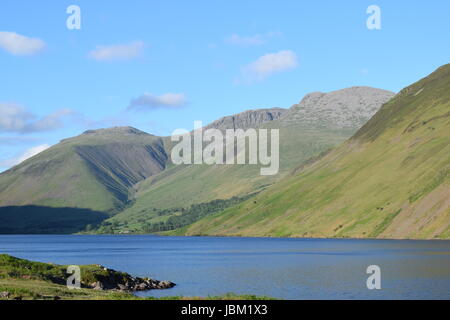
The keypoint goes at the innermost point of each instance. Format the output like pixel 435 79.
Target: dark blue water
pixel 282 268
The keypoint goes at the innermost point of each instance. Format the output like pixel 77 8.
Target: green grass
pixel 12 267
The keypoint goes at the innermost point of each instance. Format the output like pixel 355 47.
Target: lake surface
pixel 281 268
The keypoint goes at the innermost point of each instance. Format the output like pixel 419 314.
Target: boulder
pixel 122 287
pixel 166 284
pixel 97 285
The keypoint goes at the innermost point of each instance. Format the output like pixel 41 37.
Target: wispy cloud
pixel 15 118
pixel 254 40
pixel 149 101
pixel 7 163
pixel 117 52
pixel 17 44
pixel 268 65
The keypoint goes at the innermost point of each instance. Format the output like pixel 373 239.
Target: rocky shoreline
pixel 58 282
pixel 115 280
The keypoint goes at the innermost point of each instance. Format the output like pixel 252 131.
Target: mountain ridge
pixel 389 180
pixel 128 171
pixel 247 119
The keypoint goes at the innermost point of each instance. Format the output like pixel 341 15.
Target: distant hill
pixel 390 180
pixel 182 186
pixel 94 170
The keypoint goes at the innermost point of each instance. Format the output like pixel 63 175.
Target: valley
pixel 347 169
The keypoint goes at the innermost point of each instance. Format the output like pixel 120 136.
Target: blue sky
pixel 160 65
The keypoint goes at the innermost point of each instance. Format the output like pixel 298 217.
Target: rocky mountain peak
pixel 346 108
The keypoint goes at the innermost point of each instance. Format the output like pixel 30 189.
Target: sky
pixel 161 65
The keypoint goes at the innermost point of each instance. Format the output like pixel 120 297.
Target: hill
pixel 390 180
pixel 126 173
pixel 94 171
pixel 300 139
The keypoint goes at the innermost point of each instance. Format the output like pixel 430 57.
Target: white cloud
pixel 15 118
pixel 7 163
pixel 32 152
pixel 257 39
pixel 17 44
pixel 149 101
pixel 118 52
pixel 268 65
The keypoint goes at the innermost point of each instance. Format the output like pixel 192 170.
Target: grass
pixel 24 279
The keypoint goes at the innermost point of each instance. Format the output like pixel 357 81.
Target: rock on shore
pixel 115 280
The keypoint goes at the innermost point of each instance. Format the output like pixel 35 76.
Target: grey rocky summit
pixel 341 109
pixel 348 108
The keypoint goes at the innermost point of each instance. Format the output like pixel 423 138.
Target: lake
pixel 276 267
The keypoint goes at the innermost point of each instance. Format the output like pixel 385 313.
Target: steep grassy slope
pixel 319 122
pixel 185 185
pixel 390 180
pixel 93 171
pixel 182 186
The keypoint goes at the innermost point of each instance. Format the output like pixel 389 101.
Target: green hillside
pixel 128 174
pixel 390 180
pixel 319 122
pixel 182 186
pixel 94 171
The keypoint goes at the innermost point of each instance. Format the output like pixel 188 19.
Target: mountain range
pixel 341 174
pixel 391 179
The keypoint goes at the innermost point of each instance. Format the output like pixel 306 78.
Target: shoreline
pixel 219 236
